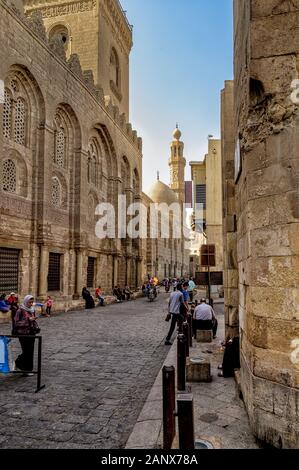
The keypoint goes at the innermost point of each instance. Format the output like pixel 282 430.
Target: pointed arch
pixel 24 107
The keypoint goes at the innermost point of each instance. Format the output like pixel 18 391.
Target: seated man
pixel 4 306
pixel 99 296
pixel 204 318
pixel 127 293
pixel 118 294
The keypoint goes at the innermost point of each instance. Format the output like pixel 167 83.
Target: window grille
pixel 90 272
pixel 7 115
pixel 9 270
pixel 60 147
pixel 9 176
pixel 56 192
pixel 54 272
pixel 20 120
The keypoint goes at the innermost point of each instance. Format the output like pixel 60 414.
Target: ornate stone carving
pixel 121 31
pixel 99 93
pixel 89 80
pixel 36 24
pixel 75 65
pixel 66 9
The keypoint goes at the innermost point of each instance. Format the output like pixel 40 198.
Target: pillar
pixel 43 271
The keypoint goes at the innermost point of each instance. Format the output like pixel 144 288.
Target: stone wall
pixel 266 63
pixel 231 275
pixel 56 94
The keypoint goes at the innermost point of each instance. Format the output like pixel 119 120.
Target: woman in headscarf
pixel 89 302
pixel 23 323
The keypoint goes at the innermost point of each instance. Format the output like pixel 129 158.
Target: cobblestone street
pixel 98 367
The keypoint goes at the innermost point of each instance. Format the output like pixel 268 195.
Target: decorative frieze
pixel 65 9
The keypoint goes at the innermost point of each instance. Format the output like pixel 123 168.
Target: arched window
pixel 9 176
pixel 114 62
pixel 60 33
pixel 7 112
pixel 20 122
pixel 60 147
pixel 56 198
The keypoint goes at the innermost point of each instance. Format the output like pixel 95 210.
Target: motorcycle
pixel 152 294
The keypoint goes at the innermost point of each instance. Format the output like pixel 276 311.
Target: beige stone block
pixel 275 303
pixel 270 181
pixel 275 272
pixel 275 366
pixel 274 429
pixel 281 334
pixel 198 370
pixel 268 242
pixel 204 336
pixel 256 329
pixel 257 158
pixel 285 40
pixel 269 72
pixel 260 8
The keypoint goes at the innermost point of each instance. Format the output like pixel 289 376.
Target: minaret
pixel 177 164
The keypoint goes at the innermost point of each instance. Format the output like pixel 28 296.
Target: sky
pixel 182 55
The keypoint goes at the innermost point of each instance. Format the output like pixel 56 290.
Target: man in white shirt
pixel 204 318
pixel 174 308
pixel 191 288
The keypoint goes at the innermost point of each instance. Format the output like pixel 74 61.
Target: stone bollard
pixel 168 384
pixel 181 363
pixel 204 336
pixel 198 369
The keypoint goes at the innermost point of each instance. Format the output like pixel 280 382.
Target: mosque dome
pixel 160 192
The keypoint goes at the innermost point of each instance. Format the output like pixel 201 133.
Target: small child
pixel 49 304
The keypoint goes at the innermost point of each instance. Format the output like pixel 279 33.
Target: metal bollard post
pixel 168 375
pixel 189 320
pixel 186 422
pixel 186 334
pixel 181 363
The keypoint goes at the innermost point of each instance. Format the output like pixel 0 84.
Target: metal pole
pixel 189 320
pixel 181 363
pixel 209 285
pixel 39 365
pixel 168 382
pixel 186 421
pixel 186 334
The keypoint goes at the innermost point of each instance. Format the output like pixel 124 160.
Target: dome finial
pixel 177 133
pixel 158 176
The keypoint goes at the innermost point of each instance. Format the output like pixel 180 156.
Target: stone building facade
pixel 207 199
pixel 65 146
pixel 266 173
pixel 168 257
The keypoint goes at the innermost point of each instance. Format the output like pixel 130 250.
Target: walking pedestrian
pixel 25 325
pixel 176 300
